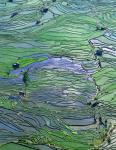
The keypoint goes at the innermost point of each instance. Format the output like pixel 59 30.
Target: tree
pixel 109 140
pixel 26 80
pixel 16 66
pixel 99 63
pixel 10 0
pixel 98 53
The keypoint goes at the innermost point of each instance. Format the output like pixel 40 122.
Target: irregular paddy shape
pixel 53 63
pixel 70 101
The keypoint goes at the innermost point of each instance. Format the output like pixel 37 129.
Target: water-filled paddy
pixel 57 74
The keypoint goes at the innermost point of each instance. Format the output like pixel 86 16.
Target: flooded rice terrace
pixel 58 74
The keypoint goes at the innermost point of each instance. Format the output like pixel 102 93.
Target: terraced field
pixel 58 74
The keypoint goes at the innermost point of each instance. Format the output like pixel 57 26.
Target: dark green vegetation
pixel 57 75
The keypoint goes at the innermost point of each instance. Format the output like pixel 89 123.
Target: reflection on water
pixel 56 43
